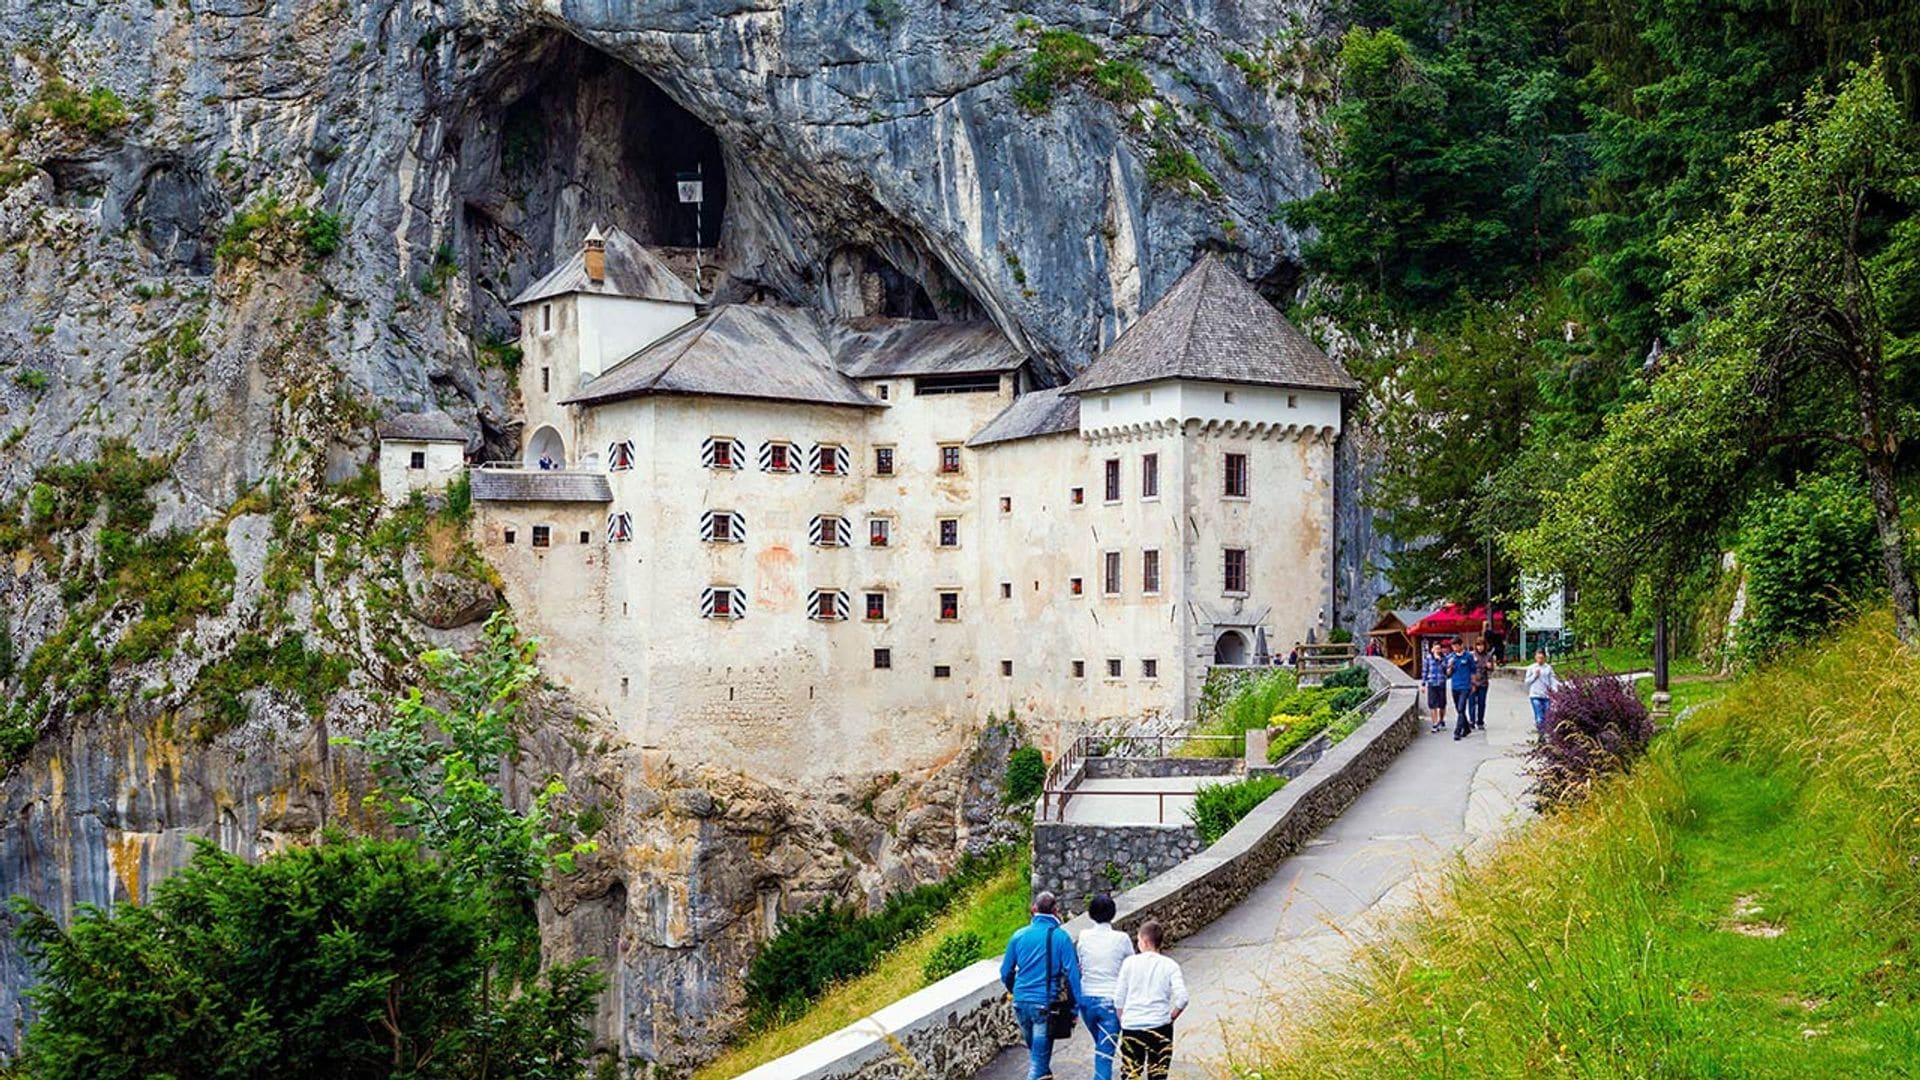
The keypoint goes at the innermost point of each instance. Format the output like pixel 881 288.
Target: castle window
pixel 1006 669
pixel 1150 571
pixel 1227 396
pixel 778 457
pixel 949 532
pixel 949 457
pixel 829 460
pixel 1079 669
pixel 1293 401
pixel 542 535
pixel 1110 577
pixel 721 452
pixel 883 659
pixel 827 605
pixel 619 527
pixel 723 527
pixel 1234 485
pixel 417 459
pixel 723 602
pixel 586 536
pixel 1150 476
pixel 1234 570
pixel 546 319
pixel 942 671
pixel 885 390
pixel 986 382
pixel 1006 590
pixel 883 461
pixel 546 380
pixel 1113 667
pixel 620 456
pixel 879 532
pixel 1149 669
pixel 507 536
pixel 876 607
pixel 1076 586
pixel 1078 496
pixel 949 606
pixel 1113 480
pixel 827 530
pixel 1006 504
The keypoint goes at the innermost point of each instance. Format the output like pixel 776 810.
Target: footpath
pixel 1262 959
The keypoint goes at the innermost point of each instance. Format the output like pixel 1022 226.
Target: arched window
pixel 619 527
pixel 1230 648
pixel 546 449
pixel 620 456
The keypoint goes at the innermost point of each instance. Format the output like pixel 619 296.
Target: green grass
pixel 993 910
pixel 1619 658
pixel 1740 906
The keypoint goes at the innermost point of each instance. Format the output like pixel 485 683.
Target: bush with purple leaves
pixel 1595 725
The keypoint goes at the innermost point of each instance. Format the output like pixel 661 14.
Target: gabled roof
pixel 1041 412
pixel 739 350
pixel 872 347
pixel 1213 326
pixel 631 271
pixel 421 427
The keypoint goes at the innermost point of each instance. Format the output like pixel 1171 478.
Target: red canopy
pixel 1449 619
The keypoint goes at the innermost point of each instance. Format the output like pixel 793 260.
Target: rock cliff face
pixel 237 231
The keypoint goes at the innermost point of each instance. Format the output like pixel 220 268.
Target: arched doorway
pixel 1230 648
pixel 546 443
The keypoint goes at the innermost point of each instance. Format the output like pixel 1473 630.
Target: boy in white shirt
pixel 1149 996
pixel 1102 949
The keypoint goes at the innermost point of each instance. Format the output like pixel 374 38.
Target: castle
pixel 803 547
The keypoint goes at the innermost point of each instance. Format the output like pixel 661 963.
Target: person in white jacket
pixel 1102 950
pixel 1149 995
pixel 1541 683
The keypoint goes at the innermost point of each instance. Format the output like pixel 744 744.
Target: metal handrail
pixel 1159 794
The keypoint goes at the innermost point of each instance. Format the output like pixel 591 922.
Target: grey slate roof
pixel 1041 412
pixel 739 350
pixel 540 485
pixel 421 427
pixel 1212 325
pixel 631 271
pixel 870 347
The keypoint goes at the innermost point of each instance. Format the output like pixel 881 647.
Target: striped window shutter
pixel 828 460
pixel 828 531
pixel 619 527
pixel 766 457
pixel 714 598
pixel 828 605
pixel 620 455
pixel 735 527
pixel 711 450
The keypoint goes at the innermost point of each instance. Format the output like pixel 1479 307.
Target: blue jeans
pixel 1480 707
pixel 1039 1039
pixel 1462 711
pixel 1539 713
pixel 1103 1027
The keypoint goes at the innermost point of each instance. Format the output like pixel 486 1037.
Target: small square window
pixel 949 532
pixel 1078 496
pixel 882 659
pixel 883 461
pixel 950 458
pixel 879 532
pixel 723 528
pixel 723 454
pixel 1079 669
pixel 1006 590
pixel 546 380
pixel 1006 669
pixel 1149 669
pixel 942 671
pixel 1076 586
pixel 949 606
pixel 1113 667
pixel 417 459
pixel 722 603
pixel 780 457
pixel 1006 504
pixel 876 606
pixel 1293 401
pixel 1227 396
pixel 507 536
pixel 586 536
pixel 885 390
pixel 542 535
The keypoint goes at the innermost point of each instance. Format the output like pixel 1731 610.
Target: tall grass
pixel 1740 905
pixel 1247 709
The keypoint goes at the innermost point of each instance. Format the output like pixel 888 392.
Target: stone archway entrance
pixel 1230 648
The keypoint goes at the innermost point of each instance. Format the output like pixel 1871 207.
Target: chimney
pixel 595 249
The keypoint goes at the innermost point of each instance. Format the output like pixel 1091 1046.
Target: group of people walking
pixel 1465 674
pixel 1127 997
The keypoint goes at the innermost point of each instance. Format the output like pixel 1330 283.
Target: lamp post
pixel 1662 699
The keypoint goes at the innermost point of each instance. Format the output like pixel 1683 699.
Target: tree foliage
pixel 1807 553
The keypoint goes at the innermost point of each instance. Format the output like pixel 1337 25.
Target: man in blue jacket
pixel 1034 951
pixel 1460 669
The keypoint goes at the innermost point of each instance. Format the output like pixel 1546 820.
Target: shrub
pixel 1026 775
pixel 35 381
pixel 1352 675
pixel 1121 81
pixel 1218 807
pixel 995 53
pixel 1596 725
pixel 954 953
pixel 1177 168
pixel 1807 553
pixel 1059 57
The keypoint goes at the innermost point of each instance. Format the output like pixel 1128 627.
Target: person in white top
pixel 1101 949
pixel 1541 684
pixel 1149 996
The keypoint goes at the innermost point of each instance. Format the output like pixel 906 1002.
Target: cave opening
pixel 572 137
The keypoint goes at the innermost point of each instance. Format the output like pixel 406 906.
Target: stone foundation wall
pixel 1132 768
pixel 1075 861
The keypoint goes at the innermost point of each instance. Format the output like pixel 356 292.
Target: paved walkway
pixel 1263 958
pixel 1134 801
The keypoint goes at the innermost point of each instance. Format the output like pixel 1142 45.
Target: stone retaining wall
pixel 1076 861
pixel 951 1029
pixel 1133 768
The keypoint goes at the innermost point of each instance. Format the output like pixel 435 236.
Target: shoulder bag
pixel 1060 1003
